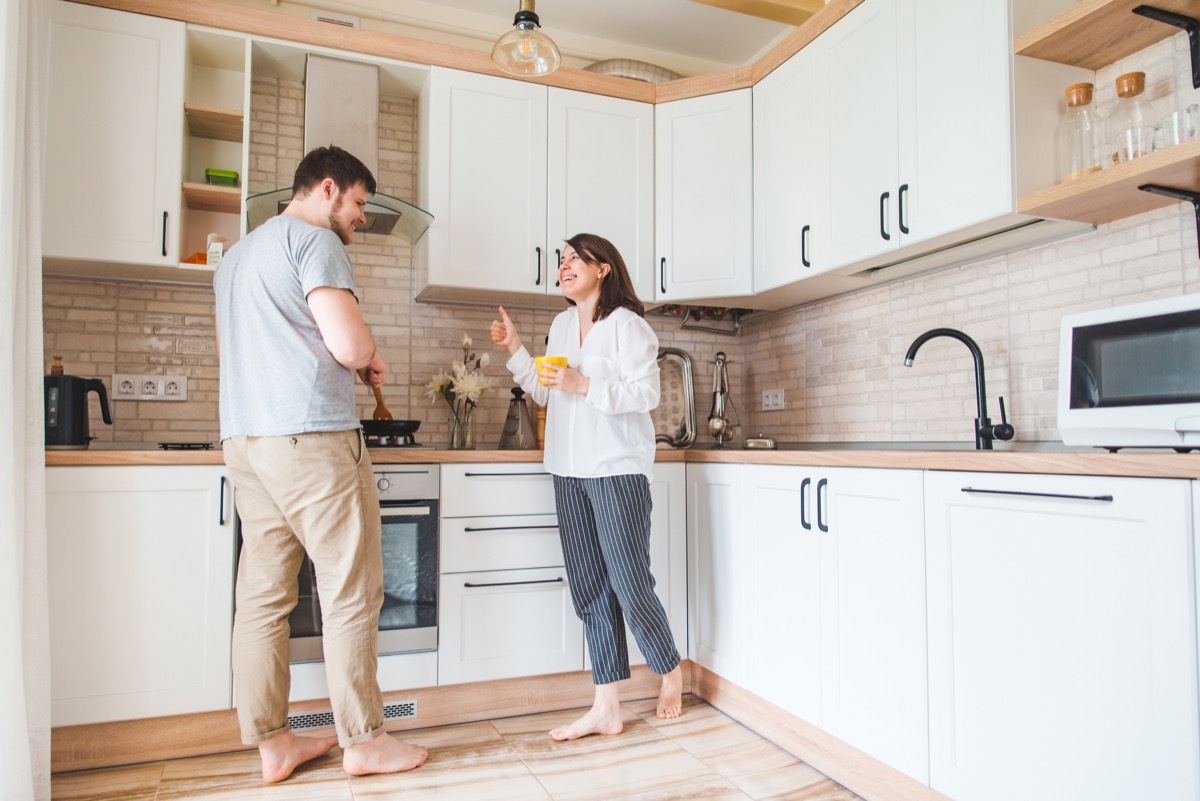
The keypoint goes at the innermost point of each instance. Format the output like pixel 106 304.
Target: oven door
pixel 408 618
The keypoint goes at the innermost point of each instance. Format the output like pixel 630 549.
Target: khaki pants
pixel 309 493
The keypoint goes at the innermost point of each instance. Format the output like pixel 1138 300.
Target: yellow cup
pixel 557 361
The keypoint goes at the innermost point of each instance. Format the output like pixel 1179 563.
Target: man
pixel 291 339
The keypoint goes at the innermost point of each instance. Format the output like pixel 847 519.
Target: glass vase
pixel 462 429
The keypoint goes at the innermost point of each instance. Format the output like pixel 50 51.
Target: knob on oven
pixel 383 483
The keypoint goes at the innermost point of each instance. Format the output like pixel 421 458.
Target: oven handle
pixel 558 580
pixel 507 528
pixel 503 475
pixel 405 511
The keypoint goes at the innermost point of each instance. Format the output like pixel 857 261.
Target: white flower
pixel 485 360
pixel 466 342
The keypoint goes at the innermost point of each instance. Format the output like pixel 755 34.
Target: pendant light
pixel 525 51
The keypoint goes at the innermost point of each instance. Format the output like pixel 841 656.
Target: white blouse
pixel 608 431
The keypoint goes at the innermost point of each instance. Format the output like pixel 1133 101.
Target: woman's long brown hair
pixel 616 288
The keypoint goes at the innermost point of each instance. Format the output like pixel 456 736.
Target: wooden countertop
pixel 1083 462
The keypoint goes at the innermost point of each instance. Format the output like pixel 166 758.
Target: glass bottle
pixel 1077 141
pixel 1132 133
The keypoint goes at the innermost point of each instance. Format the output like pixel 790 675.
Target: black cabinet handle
pixel 903 208
pixel 538 281
pixel 824 526
pixel 164 237
pixel 557 261
pixel 662 276
pixel 558 580
pixel 1039 494
pixel 804 246
pixel 507 528
pixel 221 504
pixel 803 505
pixel 883 215
pixel 505 475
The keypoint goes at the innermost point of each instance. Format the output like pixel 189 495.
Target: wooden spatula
pixel 381 411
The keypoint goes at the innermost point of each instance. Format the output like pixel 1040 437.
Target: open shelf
pixel 203 197
pixel 1113 194
pixel 1095 33
pixel 211 122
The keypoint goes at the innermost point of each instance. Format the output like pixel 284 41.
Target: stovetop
pixel 393 441
pixel 186 446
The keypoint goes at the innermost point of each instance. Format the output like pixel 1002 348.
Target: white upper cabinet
pixel 601 179
pixel 511 169
pixel 920 115
pixel 483 143
pixel 704 193
pixel 114 126
pixel 791 170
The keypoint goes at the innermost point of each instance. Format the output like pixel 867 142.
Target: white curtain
pixel 24 619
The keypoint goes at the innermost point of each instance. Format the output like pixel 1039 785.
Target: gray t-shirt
pixel 277 376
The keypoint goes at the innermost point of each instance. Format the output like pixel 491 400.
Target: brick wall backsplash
pixel 839 361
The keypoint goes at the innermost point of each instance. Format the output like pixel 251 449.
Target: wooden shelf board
pixel 1113 194
pixel 203 197
pixel 1095 33
pixel 212 122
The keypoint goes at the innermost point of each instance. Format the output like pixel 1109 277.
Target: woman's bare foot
pixel 670 697
pixel 603 718
pixel 285 752
pixel 384 754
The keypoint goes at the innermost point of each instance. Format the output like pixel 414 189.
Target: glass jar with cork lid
pixel 1132 133
pixel 1077 135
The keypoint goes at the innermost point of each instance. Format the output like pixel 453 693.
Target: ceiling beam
pixel 789 12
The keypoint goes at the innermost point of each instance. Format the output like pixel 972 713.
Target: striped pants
pixel 604 524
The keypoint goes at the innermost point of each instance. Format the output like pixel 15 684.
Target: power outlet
pixel 772 400
pixel 149 387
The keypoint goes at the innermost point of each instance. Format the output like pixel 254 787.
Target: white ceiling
pixel 681 35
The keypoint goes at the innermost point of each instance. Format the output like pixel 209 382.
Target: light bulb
pixel 525 50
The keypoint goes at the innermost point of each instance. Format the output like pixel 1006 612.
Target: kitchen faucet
pixel 985 432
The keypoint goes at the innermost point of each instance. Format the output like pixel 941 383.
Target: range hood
pixel 341 107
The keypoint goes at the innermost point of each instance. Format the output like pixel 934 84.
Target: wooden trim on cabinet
pixel 803 36
pixel 849 767
pixel 101 745
pixel 213 122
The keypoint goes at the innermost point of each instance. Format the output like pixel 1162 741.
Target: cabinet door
pixel 955 127
pixel 141 591
pixel 114 129
pixel 861 54
pixel 791 171
pixel 720 617
pixel 704 191
pixel 1062 644
pixel 484 139
pixel 505 623
pixel 601 179
pixel 784 588
pixel 873 682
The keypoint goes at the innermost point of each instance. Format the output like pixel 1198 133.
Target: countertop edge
pixel 1143 465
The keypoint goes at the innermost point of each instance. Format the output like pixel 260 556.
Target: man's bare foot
pixel 598 720
pixel 670 697
pixel 285 752
pixel 384 754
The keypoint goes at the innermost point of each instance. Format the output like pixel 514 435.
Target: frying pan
pixel 389 428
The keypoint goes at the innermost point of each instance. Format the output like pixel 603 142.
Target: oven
pixel 408 502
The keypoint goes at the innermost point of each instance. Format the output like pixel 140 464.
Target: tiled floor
pixel 702 755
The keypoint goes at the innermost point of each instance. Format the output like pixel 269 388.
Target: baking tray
pixel 675 416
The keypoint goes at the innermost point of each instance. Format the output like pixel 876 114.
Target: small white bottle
pixel 216 250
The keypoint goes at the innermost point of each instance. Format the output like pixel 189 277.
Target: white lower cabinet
pixel 504 602
pixel 838 604
pixel 720 615
pixel 1062 638
pixel 140 563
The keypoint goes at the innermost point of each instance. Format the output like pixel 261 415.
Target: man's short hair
pixel 331 162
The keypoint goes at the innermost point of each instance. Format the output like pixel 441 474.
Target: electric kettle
pixel 67 408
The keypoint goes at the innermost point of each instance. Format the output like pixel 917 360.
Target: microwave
pixel 1129 376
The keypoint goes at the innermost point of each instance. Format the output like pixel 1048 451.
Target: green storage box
pixel 221 177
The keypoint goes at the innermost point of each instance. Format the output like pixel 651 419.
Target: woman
pixel 600 450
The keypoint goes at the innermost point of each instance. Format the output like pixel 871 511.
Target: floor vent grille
pixel 402 710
